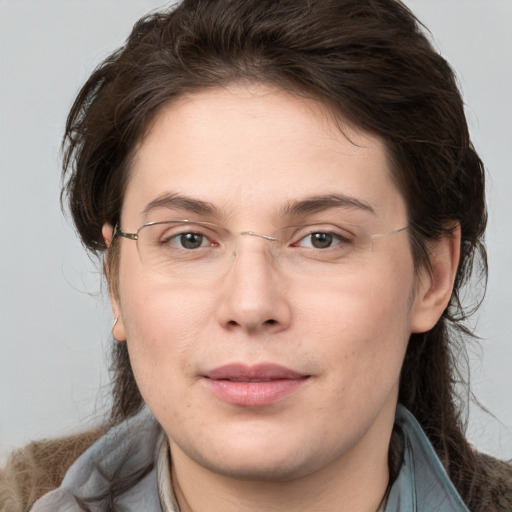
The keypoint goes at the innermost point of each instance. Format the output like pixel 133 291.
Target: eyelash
pixel 340 239
pixel 334 238
pixel 177 236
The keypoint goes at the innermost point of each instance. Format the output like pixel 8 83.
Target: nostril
pixel 270 321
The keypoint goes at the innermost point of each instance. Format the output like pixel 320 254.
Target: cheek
pixel 163 325
pixel 362 326
pixel 152 309
pixel 163 330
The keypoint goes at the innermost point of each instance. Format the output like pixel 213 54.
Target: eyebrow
pixel 308 205
pixel 320 203
pixel 178 202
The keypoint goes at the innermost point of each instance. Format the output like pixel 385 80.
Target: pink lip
pixel 252 386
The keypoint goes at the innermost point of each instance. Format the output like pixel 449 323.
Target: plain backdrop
pixel 54 314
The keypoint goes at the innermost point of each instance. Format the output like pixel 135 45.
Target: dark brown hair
pixel 372 63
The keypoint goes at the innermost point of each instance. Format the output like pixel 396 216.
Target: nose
pixel 253 295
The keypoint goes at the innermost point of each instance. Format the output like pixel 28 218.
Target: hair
pixel 371 63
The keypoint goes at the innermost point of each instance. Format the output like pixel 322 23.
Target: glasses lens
pixel 201 250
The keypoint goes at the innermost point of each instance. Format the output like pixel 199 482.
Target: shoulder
pixel 39 468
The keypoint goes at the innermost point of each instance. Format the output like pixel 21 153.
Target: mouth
pixel 253 386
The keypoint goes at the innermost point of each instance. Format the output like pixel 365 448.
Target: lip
pixel 253 386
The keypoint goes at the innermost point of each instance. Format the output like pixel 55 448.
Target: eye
pixel 189 241
pixel 320 240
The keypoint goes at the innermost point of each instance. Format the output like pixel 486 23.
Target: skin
pixel 249 151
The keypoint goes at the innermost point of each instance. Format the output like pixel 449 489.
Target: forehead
pixel 251 149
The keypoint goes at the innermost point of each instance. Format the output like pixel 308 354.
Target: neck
pixel 229 496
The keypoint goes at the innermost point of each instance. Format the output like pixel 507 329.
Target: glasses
pixel 190 249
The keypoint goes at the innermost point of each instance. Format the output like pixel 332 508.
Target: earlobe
pixel 118 329
pixel 107 232
pixel 435 287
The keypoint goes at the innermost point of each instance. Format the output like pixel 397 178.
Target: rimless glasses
pixel 193 249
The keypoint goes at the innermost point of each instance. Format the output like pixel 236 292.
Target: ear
pixel 118 329
pixel 435 287
pixel 107 232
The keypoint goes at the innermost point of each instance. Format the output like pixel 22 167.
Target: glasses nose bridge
pixel 258 235
pixel 274 249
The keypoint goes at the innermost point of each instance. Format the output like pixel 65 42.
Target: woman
pixel 289 203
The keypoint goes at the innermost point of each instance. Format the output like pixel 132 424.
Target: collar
pixel 165 490
pixel 137 449
pixel 422 485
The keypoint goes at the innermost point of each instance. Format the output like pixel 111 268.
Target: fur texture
pixel 39 468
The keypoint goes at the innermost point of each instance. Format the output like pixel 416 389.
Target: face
pixel 274 367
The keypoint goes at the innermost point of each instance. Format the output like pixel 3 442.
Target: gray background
pixel 54 315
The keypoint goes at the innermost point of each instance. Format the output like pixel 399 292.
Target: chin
pixel 257 470
pixel 270 457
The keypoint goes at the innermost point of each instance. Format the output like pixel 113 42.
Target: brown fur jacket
pixel 39 468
